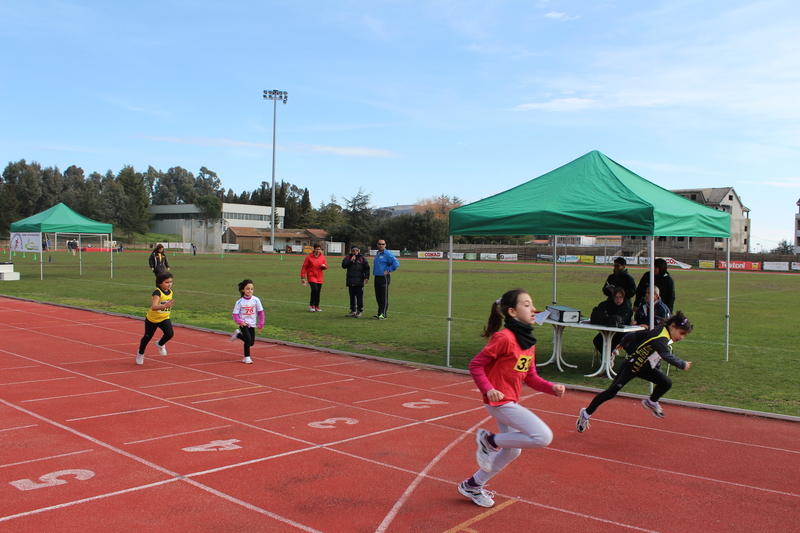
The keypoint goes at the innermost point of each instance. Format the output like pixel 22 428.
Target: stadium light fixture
pixel 275 95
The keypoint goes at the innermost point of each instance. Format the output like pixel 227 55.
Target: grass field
pixel 763 371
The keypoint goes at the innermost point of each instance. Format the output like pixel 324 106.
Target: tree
pixel 207 184
pixel 112 204
pixel 330 214
pixel 137 212
pixel 52 187
pixel 419 231
pixel 175 187
pixel 784 248
pixel 74 185
pixel 440 205
pixel 29 189
pixel 307 216
pixel 358 222
pixel 210 207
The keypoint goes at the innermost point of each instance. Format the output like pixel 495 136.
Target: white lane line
pixel 320 384
pixel 45 458
pixel 395 373
pixel 176 383
pixel 295 414
pixel 267 372
pixel 177 434
pixel 387 397
pixel 117 414
pixel 232 397
pixel 20 427
pixel 36 381
pixel 68 396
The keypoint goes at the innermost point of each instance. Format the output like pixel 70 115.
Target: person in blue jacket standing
pixel 384 264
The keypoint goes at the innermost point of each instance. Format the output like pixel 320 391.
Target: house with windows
pixel 797 230
pixel 286 240
pixel 722 199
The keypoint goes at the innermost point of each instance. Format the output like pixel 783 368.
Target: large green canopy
pixel 60 219
pixel 592 195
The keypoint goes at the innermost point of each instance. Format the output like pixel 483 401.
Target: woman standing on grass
pixel 158 316
pixel 313 273
pixel 645 351
pixel 158 259
pixel 499 370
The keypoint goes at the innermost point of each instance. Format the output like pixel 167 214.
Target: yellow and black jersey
pixel 162 315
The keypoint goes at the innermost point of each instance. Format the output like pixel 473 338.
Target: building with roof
pixel 722 199
pixel 286 240
pixel 797 230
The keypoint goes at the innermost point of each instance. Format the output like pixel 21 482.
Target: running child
pixel 645 351
pixel 499 370
pixel 248 313
pixel 158 316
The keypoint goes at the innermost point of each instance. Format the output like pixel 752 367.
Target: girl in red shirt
pixel 499 370
pixel 313 274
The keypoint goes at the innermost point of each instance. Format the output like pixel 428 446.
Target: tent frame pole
pixel 449 297
pixel 727 296
pixel 555 260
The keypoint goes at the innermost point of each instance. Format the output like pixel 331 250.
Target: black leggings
pixel 316 289
pixel 653 375
pixel 150 330
pixel 248 337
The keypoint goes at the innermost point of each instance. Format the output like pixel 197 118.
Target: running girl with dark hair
pixel 248 313
pixel 645 350
pixel 499 370
pixel 158 316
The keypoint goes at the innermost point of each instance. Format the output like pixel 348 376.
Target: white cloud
pixel 562 104
pixel 348 151
pixel 206 141
pixel 788 183
pixel 560 16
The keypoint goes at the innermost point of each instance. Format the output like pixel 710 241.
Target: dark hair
pixel 680 321
pixel 661 265
pixel 500 311
pixel 157 247
pixel 242 284
pixel 318 245
pixel 162 277
pixel 616 290
pixel 621 261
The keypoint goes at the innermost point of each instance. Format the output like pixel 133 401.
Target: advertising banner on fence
pixel 795 266
pixel 567 258
pixel 430 255
pixel 488 257
pixel 471 256
pixel 586 258
pixel 508 257
pixel 777 266
pixel 742 265
pixel 26 242
pixel 706 263
pixel 458 255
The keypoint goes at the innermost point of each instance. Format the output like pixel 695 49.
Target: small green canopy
pixel 592 195
pixel 60 219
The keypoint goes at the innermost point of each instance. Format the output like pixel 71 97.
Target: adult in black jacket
pixel 664 282
pixel 158 259
pixel 619 306
pixel 357 276
pixel 620 279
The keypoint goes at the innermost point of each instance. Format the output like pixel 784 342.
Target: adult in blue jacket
pixel 384 264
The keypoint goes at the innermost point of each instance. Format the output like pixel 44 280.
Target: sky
pixel 405 100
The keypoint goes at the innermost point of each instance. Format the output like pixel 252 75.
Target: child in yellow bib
pixel 163 298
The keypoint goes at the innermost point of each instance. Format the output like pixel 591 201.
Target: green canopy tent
pixel 592 195
pixel 62 219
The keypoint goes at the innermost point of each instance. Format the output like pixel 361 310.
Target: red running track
pixel 304 440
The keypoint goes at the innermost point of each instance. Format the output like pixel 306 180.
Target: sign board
pixel 430 255
pixel 742 265
pixel 26 242
pixel 508 257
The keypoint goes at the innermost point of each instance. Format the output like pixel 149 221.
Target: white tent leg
pixel 555 259
pixel 449 298
pixel 727 296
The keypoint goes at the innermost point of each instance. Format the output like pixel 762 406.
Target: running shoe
pixel 311 308
pixel 484 455
pixel 247 361
pixel 162 350
pixel 379 317
pixel 235 335
pixel 139 358
pixel 351 313
pixel 357 315
pixel 582 424
pixel 317 309
pixel 478 495
pixel 653 408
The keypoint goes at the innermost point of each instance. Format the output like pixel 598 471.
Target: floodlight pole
pixel 274 95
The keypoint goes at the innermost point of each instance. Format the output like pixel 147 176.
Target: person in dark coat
pixel 620 279
pixel 357 276
pixel 664 282
pixel 619 306
pixel 158 259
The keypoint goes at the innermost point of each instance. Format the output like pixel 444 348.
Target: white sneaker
pixel 655 409
pixel 139 358
pixel 235 335
pixel 247 361
pixel 485 453
pixel 582 423
pixel 162 350
pixel 311 308
pixel 478 495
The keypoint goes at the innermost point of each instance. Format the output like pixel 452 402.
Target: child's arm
pixel 261 318
pixel 477 369
pixel 156 306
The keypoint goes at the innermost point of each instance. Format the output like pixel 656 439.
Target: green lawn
pixel 763 371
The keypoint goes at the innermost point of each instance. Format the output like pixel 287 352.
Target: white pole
pixel 652 302
pixel 555 258
pixel 111 249
pixel 449 298
pixel 727 296
pixel 80 256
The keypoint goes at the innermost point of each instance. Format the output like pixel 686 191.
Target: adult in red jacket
pixel 313 273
